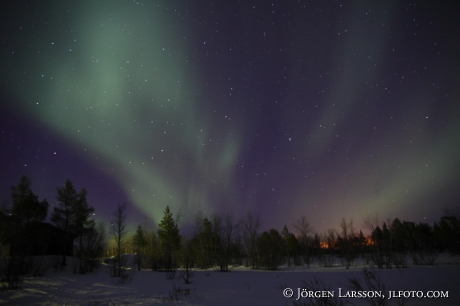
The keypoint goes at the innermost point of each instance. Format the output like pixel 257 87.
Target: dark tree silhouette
pixel 26 211
pixel 291 245
pixel 269 251
pixel 70 213
pixel 168 234
pixel 447 231
pixel 204 243
pixel 93 246
pixel 118 231
pixel 305 233
pixel 83 225
pixel 250 226
pixel 225 230
pixel 17 228
pixel 26 207
pixel 139 242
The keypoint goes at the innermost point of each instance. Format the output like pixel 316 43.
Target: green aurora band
pixel 88 91
pixel 117 81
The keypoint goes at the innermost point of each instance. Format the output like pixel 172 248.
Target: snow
pixel 240 286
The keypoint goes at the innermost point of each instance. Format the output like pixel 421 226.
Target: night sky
pixel 327 109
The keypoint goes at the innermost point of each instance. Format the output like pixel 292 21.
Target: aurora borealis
pixel 282 108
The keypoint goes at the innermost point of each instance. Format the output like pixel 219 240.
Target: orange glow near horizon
pixel 325 245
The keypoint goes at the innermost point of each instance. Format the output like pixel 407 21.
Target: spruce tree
pixel 140 242
pixel 168 233
pixel 25 211
pixel 207 243
pixel 82 224
pixel 72 214
pixel 26 206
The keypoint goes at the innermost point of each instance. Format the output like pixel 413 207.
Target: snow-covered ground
pixel 241 286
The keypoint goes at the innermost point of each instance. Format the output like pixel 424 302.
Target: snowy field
pixel 241 286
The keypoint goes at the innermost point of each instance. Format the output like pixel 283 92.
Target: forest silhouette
pixel 219 241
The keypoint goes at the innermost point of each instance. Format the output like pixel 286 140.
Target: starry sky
pixel 327 109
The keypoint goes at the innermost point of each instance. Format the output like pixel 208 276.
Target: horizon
pixel 187 230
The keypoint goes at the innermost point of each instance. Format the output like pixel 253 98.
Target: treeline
pixel 218 242
pixel 421 242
